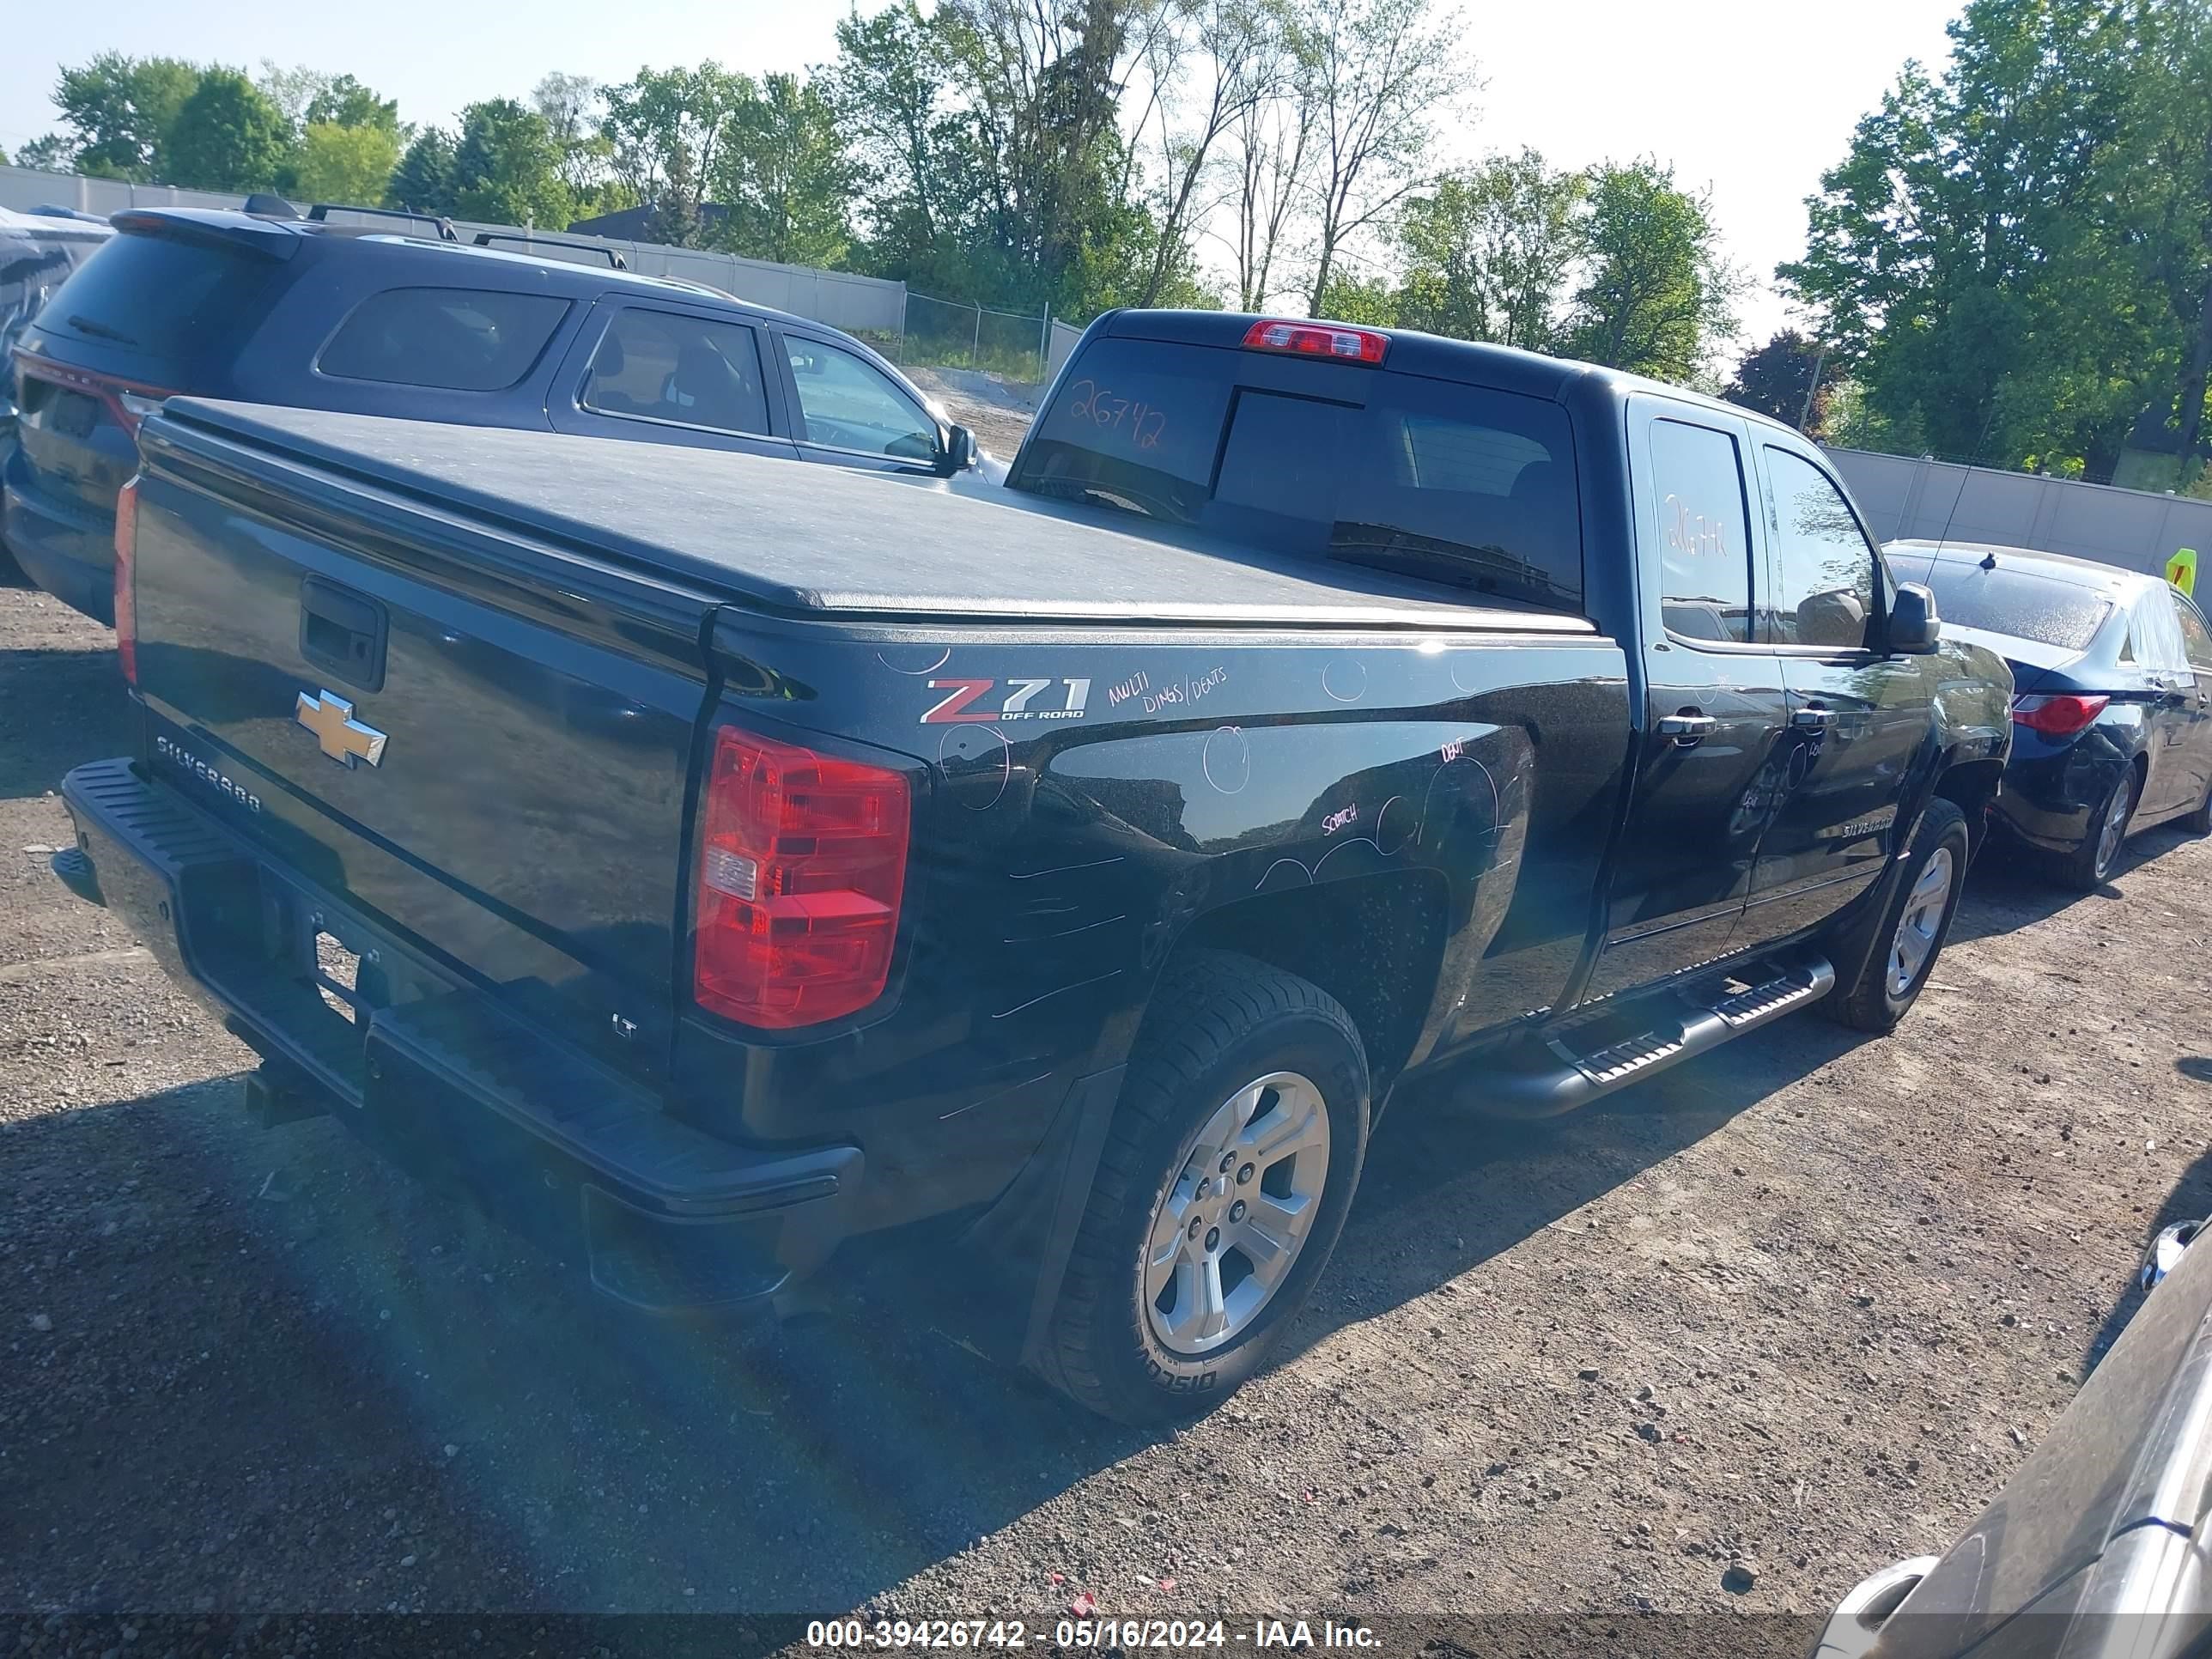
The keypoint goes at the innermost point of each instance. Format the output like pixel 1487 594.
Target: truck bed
pixel 811 540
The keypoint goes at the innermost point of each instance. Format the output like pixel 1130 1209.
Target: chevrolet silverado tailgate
pixel 483 743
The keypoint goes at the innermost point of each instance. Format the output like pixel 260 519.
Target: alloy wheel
pixel 1918 928
pixel 2113 830
pixel 1229 1228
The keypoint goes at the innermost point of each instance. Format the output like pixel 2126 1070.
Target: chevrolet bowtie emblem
pixel 342 737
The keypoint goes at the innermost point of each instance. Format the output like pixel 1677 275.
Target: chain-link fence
pixel 945 334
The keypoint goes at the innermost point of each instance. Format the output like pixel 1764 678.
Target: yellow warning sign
pixel 2181 570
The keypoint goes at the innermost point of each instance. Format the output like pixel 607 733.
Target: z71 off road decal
pixel 983 700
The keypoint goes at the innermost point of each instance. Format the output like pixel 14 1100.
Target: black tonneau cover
pixel 796 537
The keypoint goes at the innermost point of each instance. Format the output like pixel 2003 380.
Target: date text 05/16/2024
pixel 892 1635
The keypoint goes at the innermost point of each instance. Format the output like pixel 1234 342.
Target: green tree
pixel 674 221
pixel 1377 72
pixel 1973 257
pixel 119 113
pixel 1656 295
pixel 1488 252
pixel 309 97
pixel 1052 217
pixel 1775 378
pixel 423 182
pixel 339 163
pixel 228 137
pixel 2170 196
pixel 507 168
pixel 1206 65
pixel 652 119
pixel 919 163
pixel 1369 301
pixel 570 104
pixel 786 177
pixel 344 102
pixel 52 153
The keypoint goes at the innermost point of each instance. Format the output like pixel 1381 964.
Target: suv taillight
pixel 127 579
pixel 802 862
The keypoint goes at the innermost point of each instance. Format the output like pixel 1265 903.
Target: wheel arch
pixel 1970 785
pixel 1374 943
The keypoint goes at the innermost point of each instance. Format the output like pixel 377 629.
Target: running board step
pixel 1545 1076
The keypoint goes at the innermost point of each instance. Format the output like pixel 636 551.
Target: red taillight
pixel 2059 716
pixel 126 578
pixel 129 401
pixel 802 860
pixel 1337 340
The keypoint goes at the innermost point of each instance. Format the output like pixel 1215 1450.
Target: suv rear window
pixel 1431 478
pixel 459 339
pixel 2019 602
pixel 169 302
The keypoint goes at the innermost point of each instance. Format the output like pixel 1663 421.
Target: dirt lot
pixel 1803 1304
pixel 997 411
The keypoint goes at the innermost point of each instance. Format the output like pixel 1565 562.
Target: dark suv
pixel 317 314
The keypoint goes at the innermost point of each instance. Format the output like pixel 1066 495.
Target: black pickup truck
pixel 712 860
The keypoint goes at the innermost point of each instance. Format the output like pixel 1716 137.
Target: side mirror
pixel 958 453
pixel 1914 625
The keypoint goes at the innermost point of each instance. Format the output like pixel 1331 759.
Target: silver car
pixel 2096 1548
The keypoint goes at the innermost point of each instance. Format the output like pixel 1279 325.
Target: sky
pixel 1748 98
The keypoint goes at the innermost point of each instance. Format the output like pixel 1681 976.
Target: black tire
pixel 1217 1022
pixel 1870 1003
pixel 2199 822
pixel 2088 866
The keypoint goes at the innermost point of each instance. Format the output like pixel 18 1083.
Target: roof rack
pixel 444 227
pixel 525 239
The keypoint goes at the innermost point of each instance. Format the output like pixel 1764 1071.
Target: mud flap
pixel 1022 1243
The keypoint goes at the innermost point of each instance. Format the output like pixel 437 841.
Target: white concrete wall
pixel 1935 500
pixel 1064 336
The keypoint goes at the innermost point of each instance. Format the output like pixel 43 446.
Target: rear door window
pixel 164 303
pixel 1459 484
pixel 2020 604
pixel 1824 567
pixel 1703 532
pixel 664 366
pixel 457 339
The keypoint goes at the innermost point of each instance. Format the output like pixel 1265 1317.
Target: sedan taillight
pixel 2060 716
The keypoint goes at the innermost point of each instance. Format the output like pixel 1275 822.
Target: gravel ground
pixel 1795 1309
pixel 997 411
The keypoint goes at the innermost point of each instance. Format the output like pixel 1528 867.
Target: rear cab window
pixel 1459 484
pixel 455 339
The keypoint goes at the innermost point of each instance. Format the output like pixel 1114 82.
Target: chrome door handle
pixel 1812 720
pixel 1685 728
